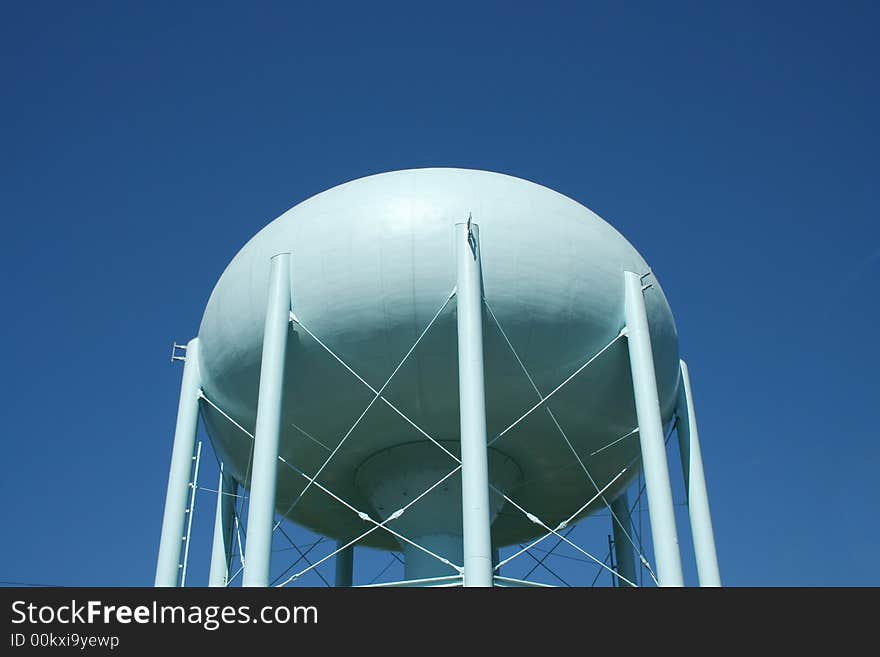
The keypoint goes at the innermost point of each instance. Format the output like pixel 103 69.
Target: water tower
pixel 393 362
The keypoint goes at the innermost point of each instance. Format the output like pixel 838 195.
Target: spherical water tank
pixel 372 262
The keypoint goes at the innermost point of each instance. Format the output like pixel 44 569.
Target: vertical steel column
pixel 174 518
pixel 623 549
pixel 344 566
pixel 221 553
pixel 472 409
pixel 657 485
pixel 695 484
pixel 261 508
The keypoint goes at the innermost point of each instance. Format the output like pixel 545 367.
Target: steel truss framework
pixel 230 521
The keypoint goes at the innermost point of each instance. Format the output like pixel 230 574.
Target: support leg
pixel 261 509
pixel 695 484
pixel 657 485
pixel 623 551
pixel 344 566
pixel 221 554
pixel 472 405
pixel 174 519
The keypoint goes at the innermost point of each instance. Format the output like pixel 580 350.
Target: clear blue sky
pixel 734 144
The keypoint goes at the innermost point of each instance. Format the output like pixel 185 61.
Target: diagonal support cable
pixel 237 513
pixel 534 519
pixel 614 442
pixel 377 393
pixel 511 582
pixel 376 524
pixel 205 489
pixel 434 582
pixel 544 400
pixel 304 557
pixel 301 546
pixel 309 436
pixel 562 432
pixel 361 514
pixel 637 507
pixel 560 526
pixel 293 565
pixel 554 532
pixel 371 388
pixel 540 562
pixel 390 563
pixel 235 520
pixel 236 574
pixel 240 552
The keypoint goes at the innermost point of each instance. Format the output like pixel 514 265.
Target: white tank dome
pixel 372 262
